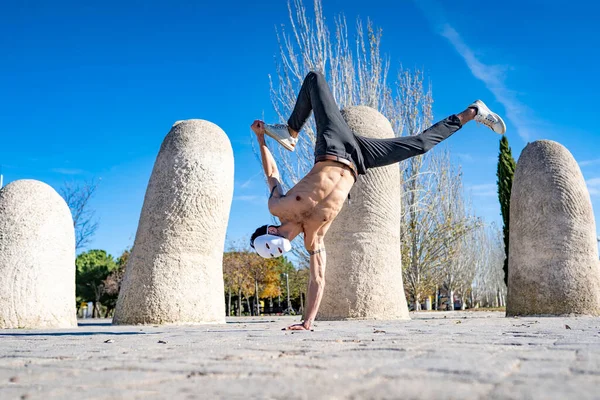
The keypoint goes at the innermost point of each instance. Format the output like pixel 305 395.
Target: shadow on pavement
pixel 83 324
pixel 26 334
pixel 250 322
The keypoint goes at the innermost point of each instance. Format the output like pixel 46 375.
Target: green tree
pixel 506 172
pixel 92 269
pixel 299 285
pixel 265 277
pixel 236 278
pixel 298 282
pixel 246 274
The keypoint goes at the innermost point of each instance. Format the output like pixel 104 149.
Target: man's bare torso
pixel 316 200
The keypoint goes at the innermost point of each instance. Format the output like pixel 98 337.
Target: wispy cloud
pixel 493 76
pixel 593 186
pixel 588 163
pixel 250 199
pixel 465 157
pixel 250 182
pixel 484 190
pixel 68 171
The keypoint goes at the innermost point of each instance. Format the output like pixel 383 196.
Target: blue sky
pixel 90 90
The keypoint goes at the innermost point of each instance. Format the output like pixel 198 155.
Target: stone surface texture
pixel 436 355
pixel 364 275
pixel 37 258
pixel 553 257
pixel 175 271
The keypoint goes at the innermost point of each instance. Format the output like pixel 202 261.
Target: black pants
pixel 334 136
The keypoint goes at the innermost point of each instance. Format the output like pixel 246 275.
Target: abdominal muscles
pixel 321 195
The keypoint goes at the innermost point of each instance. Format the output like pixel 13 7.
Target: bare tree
pixel 488 287
pixel 78 196
pixel 357 74
pixel 413 107
pixel 434 218
pixel 459 272
pixel 435 223
pixel 457 223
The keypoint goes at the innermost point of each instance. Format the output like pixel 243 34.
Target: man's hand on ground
pixel 258 127
pixel 298 327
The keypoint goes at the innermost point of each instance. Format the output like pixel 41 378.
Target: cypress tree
pixel 505 174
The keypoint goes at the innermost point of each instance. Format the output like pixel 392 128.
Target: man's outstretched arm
pixel 316 283
pixel 268 161
pixel 316 286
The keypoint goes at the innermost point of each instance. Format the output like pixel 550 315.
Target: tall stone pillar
pixel 364 273
pixel 175 271
pixel 553 258
pixel 37 258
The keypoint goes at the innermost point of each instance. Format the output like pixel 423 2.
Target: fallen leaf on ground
pixel 567 327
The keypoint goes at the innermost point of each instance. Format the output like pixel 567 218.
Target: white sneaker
pixel 281 133
pixel 488 118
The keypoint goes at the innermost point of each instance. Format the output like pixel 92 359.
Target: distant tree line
pixel 253 285
pixel 251 281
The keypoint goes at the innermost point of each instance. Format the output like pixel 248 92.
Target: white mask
pixel 271 246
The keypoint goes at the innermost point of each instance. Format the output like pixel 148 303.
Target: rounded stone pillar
pixel 364 272
pixel 37 258
pixel 553 258
pixel 175 271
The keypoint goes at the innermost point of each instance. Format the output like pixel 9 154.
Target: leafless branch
pixel 78 196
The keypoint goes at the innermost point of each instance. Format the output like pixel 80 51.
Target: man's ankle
pixel 292 132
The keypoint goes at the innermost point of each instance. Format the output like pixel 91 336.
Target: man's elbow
pixel 272 205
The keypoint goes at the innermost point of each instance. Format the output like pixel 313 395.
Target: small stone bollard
pixel 37 258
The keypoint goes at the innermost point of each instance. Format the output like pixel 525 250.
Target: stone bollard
pixel 37 258
pixel 553 258
pixel 364 274
pixel 175 271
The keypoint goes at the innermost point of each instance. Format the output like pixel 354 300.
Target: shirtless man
pixel 340 156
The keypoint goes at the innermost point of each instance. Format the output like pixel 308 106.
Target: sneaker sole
pixel 278 140
pixel 503 125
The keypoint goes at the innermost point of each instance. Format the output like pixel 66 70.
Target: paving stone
pixel 432 356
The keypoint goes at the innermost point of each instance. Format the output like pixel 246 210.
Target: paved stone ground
pixel 454 355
